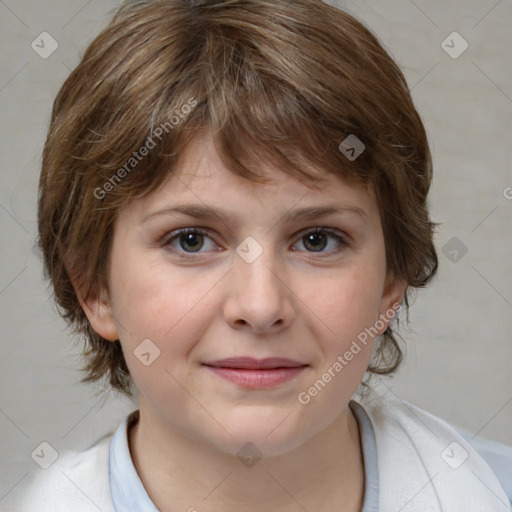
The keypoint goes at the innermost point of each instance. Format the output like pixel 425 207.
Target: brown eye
pixel 187 241
pixel 192 240
pixel 316 240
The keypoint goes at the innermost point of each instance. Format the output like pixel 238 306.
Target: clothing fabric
pixel 426 465
pixel 128 493
pixel 413 461
pixel 369 449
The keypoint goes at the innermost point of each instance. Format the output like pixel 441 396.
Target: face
pixel 253 282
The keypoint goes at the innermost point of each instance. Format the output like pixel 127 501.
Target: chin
pixel 257 438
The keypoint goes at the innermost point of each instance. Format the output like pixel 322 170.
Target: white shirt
pixel 414 462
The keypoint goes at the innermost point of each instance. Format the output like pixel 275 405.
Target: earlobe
pixel 392 298
pixel 96 306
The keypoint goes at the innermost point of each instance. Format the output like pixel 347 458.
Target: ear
pixel 96 306
pixel 392 297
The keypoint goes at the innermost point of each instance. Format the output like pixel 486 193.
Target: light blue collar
pixel 129 494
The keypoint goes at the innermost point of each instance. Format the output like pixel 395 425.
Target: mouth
pixel 253 373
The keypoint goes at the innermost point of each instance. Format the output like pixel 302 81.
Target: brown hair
pixel 282 82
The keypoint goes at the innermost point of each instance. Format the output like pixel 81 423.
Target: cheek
pixel 346 302
pixel 347 309
pixel 164 307
pixel 168 306
pixel 149 298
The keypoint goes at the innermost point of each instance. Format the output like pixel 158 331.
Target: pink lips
pixel 256 373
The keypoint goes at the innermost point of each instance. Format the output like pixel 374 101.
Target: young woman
pixel 233 210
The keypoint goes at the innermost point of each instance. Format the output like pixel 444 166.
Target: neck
pixel 180 473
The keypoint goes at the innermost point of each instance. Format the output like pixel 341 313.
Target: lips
pixel 249 363
pixel 251 373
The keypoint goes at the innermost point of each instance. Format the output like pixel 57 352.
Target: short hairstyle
pixel 279 82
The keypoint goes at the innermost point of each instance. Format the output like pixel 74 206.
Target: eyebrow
pixel 200 211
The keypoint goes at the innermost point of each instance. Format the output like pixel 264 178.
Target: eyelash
pixel 175 235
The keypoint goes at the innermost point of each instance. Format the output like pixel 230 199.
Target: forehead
pixel 201 169
pixel 201 178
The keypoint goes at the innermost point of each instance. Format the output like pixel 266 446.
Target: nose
pixel 259 300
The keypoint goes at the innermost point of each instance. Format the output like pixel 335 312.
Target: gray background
pixel 458 345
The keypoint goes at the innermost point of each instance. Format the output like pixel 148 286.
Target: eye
pixel 317 239
pixel 188 240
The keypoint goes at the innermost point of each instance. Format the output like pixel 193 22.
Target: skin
pixel 293 301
